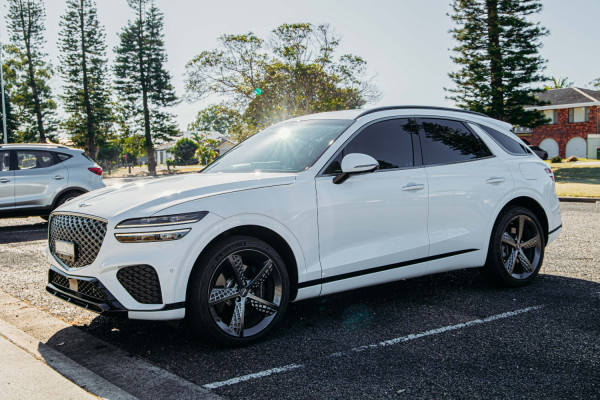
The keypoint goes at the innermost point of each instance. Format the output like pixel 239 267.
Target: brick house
pixel 573 129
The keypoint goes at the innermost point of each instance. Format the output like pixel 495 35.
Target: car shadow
pixel 23 233
pixel 317 328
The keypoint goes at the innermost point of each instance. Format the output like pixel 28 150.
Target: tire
pixel 238 291
pixel 516 250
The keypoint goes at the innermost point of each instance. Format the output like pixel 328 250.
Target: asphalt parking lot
pixel 445 336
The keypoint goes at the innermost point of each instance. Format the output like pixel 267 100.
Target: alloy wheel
pixel 521 245
pixel 245 293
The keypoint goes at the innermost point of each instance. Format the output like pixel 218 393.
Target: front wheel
pixel 238 291
pixel 516 249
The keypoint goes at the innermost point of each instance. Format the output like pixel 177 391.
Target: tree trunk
pixel 91 128
pixel 37 107
pixel 147 130
pixel 495 53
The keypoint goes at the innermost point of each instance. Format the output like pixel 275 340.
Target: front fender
pixel 224 225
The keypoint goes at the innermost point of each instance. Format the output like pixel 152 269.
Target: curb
pixel 68 368
pixel 95 365
pixel 580 199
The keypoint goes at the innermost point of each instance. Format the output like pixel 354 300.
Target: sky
pixel 405 42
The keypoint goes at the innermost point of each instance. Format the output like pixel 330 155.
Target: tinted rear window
pixel 508 144
pixel 447 141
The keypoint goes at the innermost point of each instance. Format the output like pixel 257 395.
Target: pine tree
pixel 498 54
pixel 11 120
pixel 142 81
pixel 83 69
pixel 25 22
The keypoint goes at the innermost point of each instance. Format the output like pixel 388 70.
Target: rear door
pixel 466 182
pixel 373 226
pixel 38 178
pixel 7 182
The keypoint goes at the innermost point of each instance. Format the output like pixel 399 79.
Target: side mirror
pixel 355 163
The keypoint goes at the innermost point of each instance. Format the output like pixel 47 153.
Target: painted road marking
pixel 385 343
pixel 252 376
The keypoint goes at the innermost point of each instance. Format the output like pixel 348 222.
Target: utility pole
pixel 3 99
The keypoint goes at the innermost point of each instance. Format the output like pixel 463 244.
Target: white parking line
pixel 390 342
pixel 252 376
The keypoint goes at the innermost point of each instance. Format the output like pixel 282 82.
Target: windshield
pixel 289 146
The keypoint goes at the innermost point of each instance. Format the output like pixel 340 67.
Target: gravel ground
pixel 551 352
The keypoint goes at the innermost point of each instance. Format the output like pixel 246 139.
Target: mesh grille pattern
pixel 59 280
pixel 141 282
pixel 83 287
pixel 86 233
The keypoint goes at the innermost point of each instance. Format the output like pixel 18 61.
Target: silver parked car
pixel 37 178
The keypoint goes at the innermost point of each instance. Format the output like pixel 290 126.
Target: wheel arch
pixel 532 205
pixel 67 190
pixel 289 252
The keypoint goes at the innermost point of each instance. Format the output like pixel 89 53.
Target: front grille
pixel 84 287
pixel 85 233
pixel 141 282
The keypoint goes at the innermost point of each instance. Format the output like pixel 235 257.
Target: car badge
pixel 81 205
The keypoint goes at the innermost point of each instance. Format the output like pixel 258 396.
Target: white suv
pixel 37 178
pixel 308 207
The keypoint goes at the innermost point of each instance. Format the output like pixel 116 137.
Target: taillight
pixel 549 172
pixel 96 170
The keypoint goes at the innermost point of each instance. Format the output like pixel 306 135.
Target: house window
pixel 579 114
pixel 551 115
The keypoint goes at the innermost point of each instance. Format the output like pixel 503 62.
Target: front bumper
pixel 91 294
pixel 88 293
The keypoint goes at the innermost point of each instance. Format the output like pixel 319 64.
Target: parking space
pixel 449 335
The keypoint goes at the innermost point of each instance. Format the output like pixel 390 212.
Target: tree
pixel 218 118
pixel 292 73
pixel 11 120
pixel 142 81
pixel 559 83
pixel 184 150
pixel 32 94
pixel 206 151
pixel 498 56
pixel 83 69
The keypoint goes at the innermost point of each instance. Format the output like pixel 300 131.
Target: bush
pixel 184 150
pixel 555 159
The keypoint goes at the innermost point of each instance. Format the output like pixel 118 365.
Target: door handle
pixel 58 177
pixel 411 187
pixel 495 179
pixel 4 180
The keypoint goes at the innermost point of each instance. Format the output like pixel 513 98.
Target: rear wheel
pixel 516 249
pixel 238 291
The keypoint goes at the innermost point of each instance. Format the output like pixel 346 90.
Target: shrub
pixel 555 159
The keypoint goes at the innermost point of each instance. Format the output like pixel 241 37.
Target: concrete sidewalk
pixel 24 377
pixel 28 370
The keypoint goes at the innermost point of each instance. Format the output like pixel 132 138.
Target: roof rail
pixel 377 109
pixel 49 145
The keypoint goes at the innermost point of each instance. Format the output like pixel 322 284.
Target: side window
pixel 4 160
pixel 62 157
pixel 389 142
pixel 29 159
pixel 446 141
pixel 510 145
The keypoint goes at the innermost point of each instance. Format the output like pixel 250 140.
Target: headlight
pixel 141 237
pixel 188 218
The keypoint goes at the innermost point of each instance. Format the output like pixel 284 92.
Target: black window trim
pixel 321 172
pixel 528 151
pixel 465 123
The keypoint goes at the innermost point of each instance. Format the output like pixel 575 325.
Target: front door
pixel 373 227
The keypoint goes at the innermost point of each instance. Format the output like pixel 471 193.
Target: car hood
pixel 147 197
